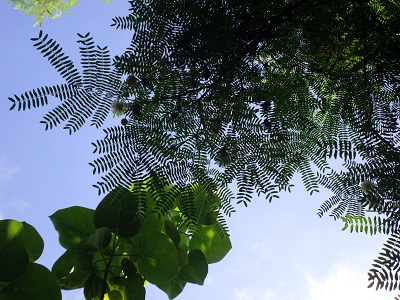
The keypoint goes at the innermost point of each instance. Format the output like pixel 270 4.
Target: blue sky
pixel 281 250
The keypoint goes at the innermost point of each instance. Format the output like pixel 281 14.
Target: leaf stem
pixel 108 265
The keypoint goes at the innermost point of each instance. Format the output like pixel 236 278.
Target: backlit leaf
pixel 73 224
pixel 214 245
pixel 14 259
pixel 158 262
pixel 33 242
pixel 120 212
pixel 195 271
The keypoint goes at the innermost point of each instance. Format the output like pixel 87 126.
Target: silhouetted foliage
pixel 246 93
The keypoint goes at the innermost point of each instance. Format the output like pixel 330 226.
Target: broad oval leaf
pixel 92 287
pixel 119 211
pixel 195 271
pixel 158 260
pixel 37 283
pixel 33 242
pixel 14 259
pixel 214 245
pixel 73 224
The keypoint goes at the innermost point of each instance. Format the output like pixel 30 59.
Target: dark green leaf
pixel 127 246
pixel 195 271
pixel 182 256
pixel 117 282
pixel 37 283
pixel 131 288
pixel 158 262
pixel 134 289
pixel 73 224
pixel 172 232
pixel 114 295
pixel 64 264
pixel 120 212
pixel 84 247
pixel 3 284
pixel 82 271
pixel 101 238
pixel 97 241
pixel 14 259
pixel 128 267
pixel 93 286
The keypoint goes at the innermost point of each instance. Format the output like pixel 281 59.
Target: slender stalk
pixel 108 265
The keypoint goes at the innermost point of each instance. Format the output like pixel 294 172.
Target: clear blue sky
pixel 281 250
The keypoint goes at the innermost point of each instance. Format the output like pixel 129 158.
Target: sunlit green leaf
pixel 158 262
pixel 214 245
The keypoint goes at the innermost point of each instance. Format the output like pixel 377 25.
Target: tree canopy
pixel 247 93
pixel 41 9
